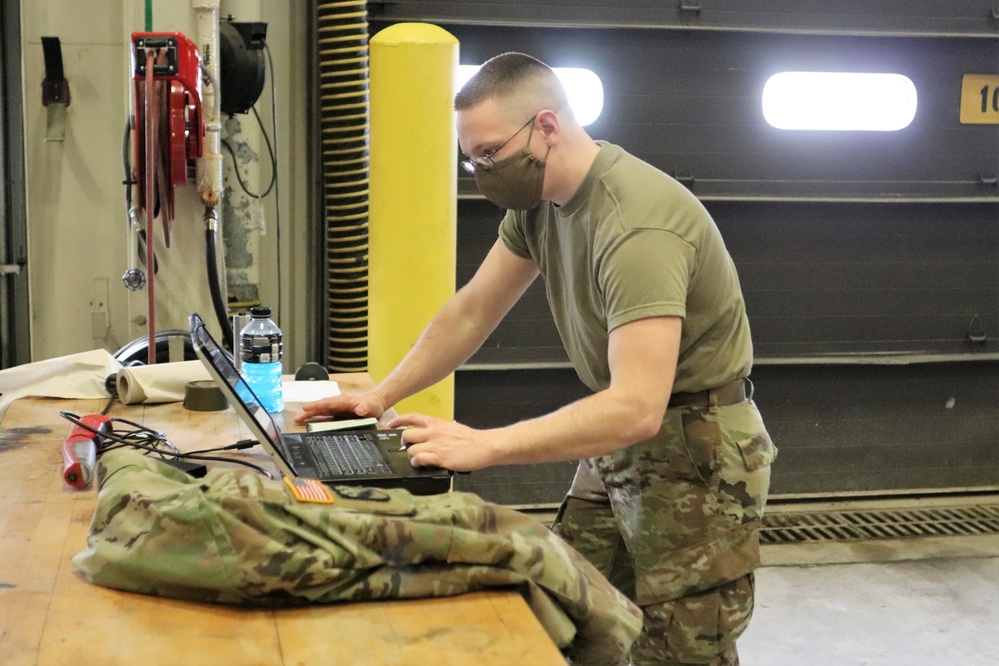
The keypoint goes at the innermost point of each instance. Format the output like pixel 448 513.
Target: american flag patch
pixel 309 490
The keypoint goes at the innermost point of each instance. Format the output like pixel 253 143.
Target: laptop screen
pixel 223 364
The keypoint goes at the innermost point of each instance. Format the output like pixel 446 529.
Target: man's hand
pixel 345 404
pixel 440 443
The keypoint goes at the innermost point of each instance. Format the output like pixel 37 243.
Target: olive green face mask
pixel 515 182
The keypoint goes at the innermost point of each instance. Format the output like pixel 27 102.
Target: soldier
pixel 675 460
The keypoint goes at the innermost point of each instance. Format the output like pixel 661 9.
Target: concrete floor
pixel 922 602
pixel 925 601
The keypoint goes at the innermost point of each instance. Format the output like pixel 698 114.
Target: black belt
pixel 727 394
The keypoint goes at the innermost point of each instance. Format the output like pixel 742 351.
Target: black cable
pixel 138 427
pixel 147 439
pixel 235 168
pixel 139 441
pixel 235 163
pixel 256 468
pixel 111 386
pixel 238 446
pixel 219 303
pixel 126 162
pixel 137 436
pixel 111 401
pixel 277 186
pixel 270 152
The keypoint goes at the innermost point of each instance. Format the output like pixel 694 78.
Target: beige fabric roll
pixel 161 382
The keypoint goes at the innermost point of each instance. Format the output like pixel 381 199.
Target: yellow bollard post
pixel 412 197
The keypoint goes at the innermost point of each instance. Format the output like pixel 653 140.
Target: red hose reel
pixel 173 93
pixel 169 127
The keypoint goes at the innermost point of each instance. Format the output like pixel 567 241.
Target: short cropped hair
pixel 514 75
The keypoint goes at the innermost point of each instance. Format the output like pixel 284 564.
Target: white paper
pixel 160 382
pixel 75 376
pixel 309 390
pixel 349 424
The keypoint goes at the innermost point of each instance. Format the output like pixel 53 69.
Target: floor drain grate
pixel 856 525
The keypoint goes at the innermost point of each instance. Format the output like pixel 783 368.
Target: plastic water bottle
pixel 260 347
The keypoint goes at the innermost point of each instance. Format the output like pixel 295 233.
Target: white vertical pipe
pixel 209 171
pixel 135 308
pixel 209 165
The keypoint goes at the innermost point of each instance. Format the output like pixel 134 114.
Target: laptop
pixel 369 457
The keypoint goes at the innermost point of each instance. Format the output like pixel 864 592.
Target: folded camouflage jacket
pixel 237 537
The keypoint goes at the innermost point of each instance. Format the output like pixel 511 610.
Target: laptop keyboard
pixel 347 455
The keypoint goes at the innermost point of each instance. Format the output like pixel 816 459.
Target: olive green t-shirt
pixel 634 243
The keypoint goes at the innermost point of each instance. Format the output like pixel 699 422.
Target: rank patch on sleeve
pixel 309 490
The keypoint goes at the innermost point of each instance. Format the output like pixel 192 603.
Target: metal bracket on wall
pixel 686 179
pixel 976 334
pixel 692 6
pixel 380 6
pixel 55 90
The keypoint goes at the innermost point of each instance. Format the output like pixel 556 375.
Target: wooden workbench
pixel 50 615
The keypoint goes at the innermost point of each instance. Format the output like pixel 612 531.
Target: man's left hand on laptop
pixel 346 404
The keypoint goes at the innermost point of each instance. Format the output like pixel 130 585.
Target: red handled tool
pixel 79 451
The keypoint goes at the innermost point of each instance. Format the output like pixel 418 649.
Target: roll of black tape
pixel 311 370
pixel 204 396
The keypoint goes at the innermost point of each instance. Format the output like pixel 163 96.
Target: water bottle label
pixel 260 349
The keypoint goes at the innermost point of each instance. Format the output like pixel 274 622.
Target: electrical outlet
pixel 99 310
pixel 98 325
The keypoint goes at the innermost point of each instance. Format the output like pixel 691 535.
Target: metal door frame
pixel 15 320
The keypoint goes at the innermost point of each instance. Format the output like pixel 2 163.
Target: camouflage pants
pixel 679 532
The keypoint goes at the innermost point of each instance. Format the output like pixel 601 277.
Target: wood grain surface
pixel 50 615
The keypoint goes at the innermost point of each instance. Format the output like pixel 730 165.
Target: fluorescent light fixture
pixel 839 101
pixel 583 87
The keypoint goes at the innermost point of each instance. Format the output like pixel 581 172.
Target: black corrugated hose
pixel 342 40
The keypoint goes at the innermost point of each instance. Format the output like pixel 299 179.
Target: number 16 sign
pixel 980 99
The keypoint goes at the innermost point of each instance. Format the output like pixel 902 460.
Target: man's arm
pixel 642 356
pixel 456 331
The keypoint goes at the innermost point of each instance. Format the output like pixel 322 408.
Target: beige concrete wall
pixel 75 201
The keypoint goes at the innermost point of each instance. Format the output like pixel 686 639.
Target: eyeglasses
pixel 486 162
